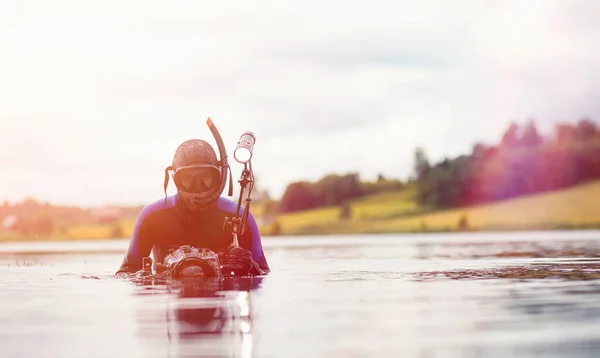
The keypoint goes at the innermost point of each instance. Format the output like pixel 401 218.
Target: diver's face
pixel 195 180
pixel 196 185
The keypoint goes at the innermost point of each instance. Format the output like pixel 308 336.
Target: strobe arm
pixel 243 155
pixel 237 224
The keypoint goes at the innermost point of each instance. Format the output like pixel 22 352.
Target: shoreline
pixel 313 232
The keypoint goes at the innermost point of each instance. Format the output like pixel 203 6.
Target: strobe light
pixel 243 150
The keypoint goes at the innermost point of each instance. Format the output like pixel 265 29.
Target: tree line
pixel 31 217
pixel 331 190
pixel 522 163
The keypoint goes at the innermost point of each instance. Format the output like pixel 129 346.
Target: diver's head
pixel 197 174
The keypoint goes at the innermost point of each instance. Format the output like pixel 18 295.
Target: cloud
pixel 97 95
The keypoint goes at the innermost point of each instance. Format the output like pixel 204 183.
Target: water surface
pixel 530 294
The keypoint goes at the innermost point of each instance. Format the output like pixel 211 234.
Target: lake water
pixel 534 294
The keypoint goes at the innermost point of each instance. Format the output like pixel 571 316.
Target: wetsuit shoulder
pixel 227 205
pixel 141 241
pixel 159 204
pixel 149 210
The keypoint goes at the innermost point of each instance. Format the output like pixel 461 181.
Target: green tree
pixel 44 225
pixel 298 196
pixel 531 138
pixel 421 164
pixel 345 211
pixel 275 229
pixel 117 232
pixel 463 222
pixel 510 138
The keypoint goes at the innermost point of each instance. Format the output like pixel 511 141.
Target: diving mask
pixel 197 178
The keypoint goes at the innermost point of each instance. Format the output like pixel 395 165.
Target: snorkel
pixel 223 162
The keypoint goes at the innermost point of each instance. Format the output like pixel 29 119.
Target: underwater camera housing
pixel 187 259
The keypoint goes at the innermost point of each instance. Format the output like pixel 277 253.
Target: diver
pixel 195 216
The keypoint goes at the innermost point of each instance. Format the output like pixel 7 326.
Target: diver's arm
pixel 258 255
pixel 140 245
pixel 248 258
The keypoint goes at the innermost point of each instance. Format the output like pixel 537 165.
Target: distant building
pixel 9 222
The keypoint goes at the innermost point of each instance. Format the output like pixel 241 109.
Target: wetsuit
pixel 161 227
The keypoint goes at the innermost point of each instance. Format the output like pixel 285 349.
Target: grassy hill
pixel 576 207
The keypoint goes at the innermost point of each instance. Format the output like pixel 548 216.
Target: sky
pixel 95 96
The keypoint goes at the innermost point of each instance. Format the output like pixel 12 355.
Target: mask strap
pixel 167 181
pixel 230 184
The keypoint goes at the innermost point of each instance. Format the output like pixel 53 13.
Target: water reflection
pixel 203 317
pixel 500 295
